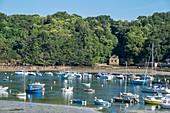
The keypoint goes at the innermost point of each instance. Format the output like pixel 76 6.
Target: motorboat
pixel 127 98
pixel 86 84
pixel 155 89
pixel 106 76
pixel 79 101
pixel 89 90
pixel 139 82
pixel 48 74
pixel 86 75
pixel 120 77
pixel 67 89
pixel 21 72
pixel 153 100
pixel 101 102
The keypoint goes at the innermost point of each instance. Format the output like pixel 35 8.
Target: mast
pixel 126 77
pixel 152 57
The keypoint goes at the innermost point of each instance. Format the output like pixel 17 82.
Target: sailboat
pixel 125 96
pixel 20 93
pixel 155 89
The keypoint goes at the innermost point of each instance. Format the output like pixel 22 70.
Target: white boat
pixel 155 89
pixel 21 72
pixel 48 74
pixel 86 84
pixel 19 94
pixel 120 77
pixel 78 75
pixel 3 88
pixel 86 75
pixel 31 73
pixel 89 90
pixel 165 105
pixel 106 76
pixel 67 89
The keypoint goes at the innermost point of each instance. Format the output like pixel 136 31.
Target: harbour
pixel 104 89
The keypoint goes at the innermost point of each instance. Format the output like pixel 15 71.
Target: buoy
pixel 54 82
pixel 51 87
pixel 102 85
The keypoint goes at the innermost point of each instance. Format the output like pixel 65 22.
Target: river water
pixel 104 89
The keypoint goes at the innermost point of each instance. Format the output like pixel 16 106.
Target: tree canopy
pixel 64 39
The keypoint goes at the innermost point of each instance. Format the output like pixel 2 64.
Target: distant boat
pixel 79 101
pixel 86 84
pixel 155 89
pixel 89 90
pixel 101 102
pixel 86 75
pixel 31 74
pixel 21 72
pixel 78 75
pixel 67 89
pixel 48 74
pixel 120 77
pixel 106 76
pixel 38 73
pixel 139 82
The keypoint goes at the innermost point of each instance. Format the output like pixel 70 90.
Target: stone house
pixel 113 60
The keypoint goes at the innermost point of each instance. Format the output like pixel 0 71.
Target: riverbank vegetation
pixel 64 39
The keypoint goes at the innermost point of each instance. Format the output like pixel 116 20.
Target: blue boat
pixel 101 102
pixel 34 90
pixel 139 82
pixel 79 101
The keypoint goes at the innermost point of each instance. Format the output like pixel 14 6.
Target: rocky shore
pixel 27 107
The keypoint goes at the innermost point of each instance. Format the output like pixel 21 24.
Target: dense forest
pixel 64 39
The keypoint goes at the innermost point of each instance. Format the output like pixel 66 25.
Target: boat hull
pixel 165 106
pixel 154 102
pixel 34 90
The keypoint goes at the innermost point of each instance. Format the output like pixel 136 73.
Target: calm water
pixel 103 89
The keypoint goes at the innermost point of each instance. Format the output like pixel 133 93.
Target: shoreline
pixel 89 69
pixel 29 107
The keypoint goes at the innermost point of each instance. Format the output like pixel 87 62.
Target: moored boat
pixel 21 72
pixel 79 101
pixel 89 90
pixel 165 105
pixel 153 100
pixel 34 90
pixel 101 102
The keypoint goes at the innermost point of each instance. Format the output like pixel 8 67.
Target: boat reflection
pixel 35 96
pixel 3 94
pixel 67 96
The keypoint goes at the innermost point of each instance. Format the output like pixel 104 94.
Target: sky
pixel 117 9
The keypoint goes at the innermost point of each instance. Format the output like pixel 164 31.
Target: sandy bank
pixel 26 107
